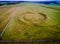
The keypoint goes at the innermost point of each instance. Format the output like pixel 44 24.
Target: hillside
pixel 29 21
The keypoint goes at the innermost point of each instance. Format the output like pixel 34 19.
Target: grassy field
pixel 4 16
pixel 30 22
pixel 52 7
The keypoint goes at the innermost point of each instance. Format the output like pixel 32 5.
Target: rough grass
pixel 4 16
pixel 3 20
pixel 19 30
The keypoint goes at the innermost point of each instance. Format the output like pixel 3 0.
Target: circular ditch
pixel 32 18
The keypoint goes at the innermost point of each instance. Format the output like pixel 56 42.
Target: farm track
pixel 5 16
pixel 15 12
pixel 12 15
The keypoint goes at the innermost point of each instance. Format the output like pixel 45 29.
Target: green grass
pixel 19 30
pixel 3 20
pixel 52 7
pixel 4 16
